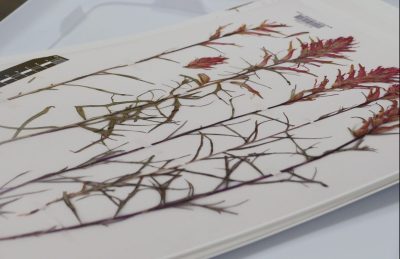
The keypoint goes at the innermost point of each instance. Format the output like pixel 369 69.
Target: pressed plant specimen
pixel 163 110
pixel 135 110
pixel 313 52
pixel 352 81
pixel 266 28
pixel 229 154
pixel 163 178
pixel 381 123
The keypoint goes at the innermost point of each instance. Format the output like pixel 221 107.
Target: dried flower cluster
pixel 380 123
pixel 316 52
pixel 353 80
pixel 356 79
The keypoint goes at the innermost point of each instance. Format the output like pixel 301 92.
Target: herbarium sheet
pixel 180 141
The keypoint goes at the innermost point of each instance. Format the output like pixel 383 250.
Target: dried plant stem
pixel 109 221
pixel 324 155
pixel 184 202
pixel 344 110
pixel 225 186
pixel 104 159
pixel 52 86
pixel 103 118
pixel 202 43
pixel 313 53
pixel 108 158
pixel 237 8
pixel 107 70
pixel 187 200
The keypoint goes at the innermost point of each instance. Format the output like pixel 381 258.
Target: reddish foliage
pixel 380 123
pixel 269 27
pixel 355 80
pixel 264 29
pixel 206 63
pixel 290 53
pixel 315 51
pixel 393 93
pixel 378 75
pixel 244 30
pixel 310 94
pixel 321 87
pixel 266 59
pixel 374 94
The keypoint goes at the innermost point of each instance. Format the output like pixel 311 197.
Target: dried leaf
pixel 71 206
pixel 218 33
pixel 204 79
pixel 290 53
pixel 206 63
pixel 129 197
pixel 248 88
pixel 81 112
pixel 31 119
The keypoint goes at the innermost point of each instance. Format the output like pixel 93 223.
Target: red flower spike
pixel 393 93
pixel 206 63
pixel 380 123
pixel 316 51
pixel 356 79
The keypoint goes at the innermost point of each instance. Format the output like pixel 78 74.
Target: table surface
pixel 367 229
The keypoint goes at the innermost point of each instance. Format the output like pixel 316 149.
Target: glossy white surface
pixel 367 229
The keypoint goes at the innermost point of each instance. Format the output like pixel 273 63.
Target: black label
pixel 18 72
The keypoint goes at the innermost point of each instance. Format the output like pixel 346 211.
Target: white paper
pixel 173 150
